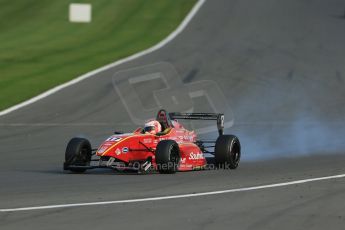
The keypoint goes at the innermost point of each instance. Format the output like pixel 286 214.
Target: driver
pixel 152 127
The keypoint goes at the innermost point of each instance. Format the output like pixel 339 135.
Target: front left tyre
pixel 78 154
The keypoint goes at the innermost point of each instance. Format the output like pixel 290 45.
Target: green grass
pixel 40 48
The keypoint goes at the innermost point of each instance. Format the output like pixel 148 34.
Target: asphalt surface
pixel 280 66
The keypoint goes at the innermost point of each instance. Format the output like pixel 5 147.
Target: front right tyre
pixel 78 153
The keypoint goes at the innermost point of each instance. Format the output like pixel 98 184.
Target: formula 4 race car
pixel 174 149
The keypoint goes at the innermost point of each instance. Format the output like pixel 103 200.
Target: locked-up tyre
pixel 227 151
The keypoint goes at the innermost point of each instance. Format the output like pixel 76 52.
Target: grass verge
pixel 40 48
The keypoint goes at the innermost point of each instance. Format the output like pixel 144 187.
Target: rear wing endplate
pixel 219 117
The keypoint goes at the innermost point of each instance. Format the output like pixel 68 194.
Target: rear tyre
pixel 78 153
pixel 227 151
pixel 167 156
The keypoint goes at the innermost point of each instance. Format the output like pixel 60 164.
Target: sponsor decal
pixel 183 160
pixel 195 156
pixel 118 151
pixel 102 149
pixel 188 138
pixel 125 150
pixel 147 141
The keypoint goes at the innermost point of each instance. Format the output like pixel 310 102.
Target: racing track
pixel 281 67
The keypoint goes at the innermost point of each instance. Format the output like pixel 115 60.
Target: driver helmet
pixel 152 127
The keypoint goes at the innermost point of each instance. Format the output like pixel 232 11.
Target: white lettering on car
pixel 195 156
pixel 114 139
pixel 147 141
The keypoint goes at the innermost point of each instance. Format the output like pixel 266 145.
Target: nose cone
pixel 109 145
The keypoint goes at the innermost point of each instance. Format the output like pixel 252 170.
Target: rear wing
pixel 219 117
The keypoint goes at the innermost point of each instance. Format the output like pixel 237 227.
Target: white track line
pixel 174 196
pixel 168 39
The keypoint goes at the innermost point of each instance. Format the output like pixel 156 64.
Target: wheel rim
pixel 84 155
pixel 235 155
pixel 174 155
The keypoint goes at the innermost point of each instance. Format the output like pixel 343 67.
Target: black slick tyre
pixel 78 153
pixel 227 152
pixel 167 156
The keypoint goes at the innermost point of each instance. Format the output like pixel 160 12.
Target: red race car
pixel 172 149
